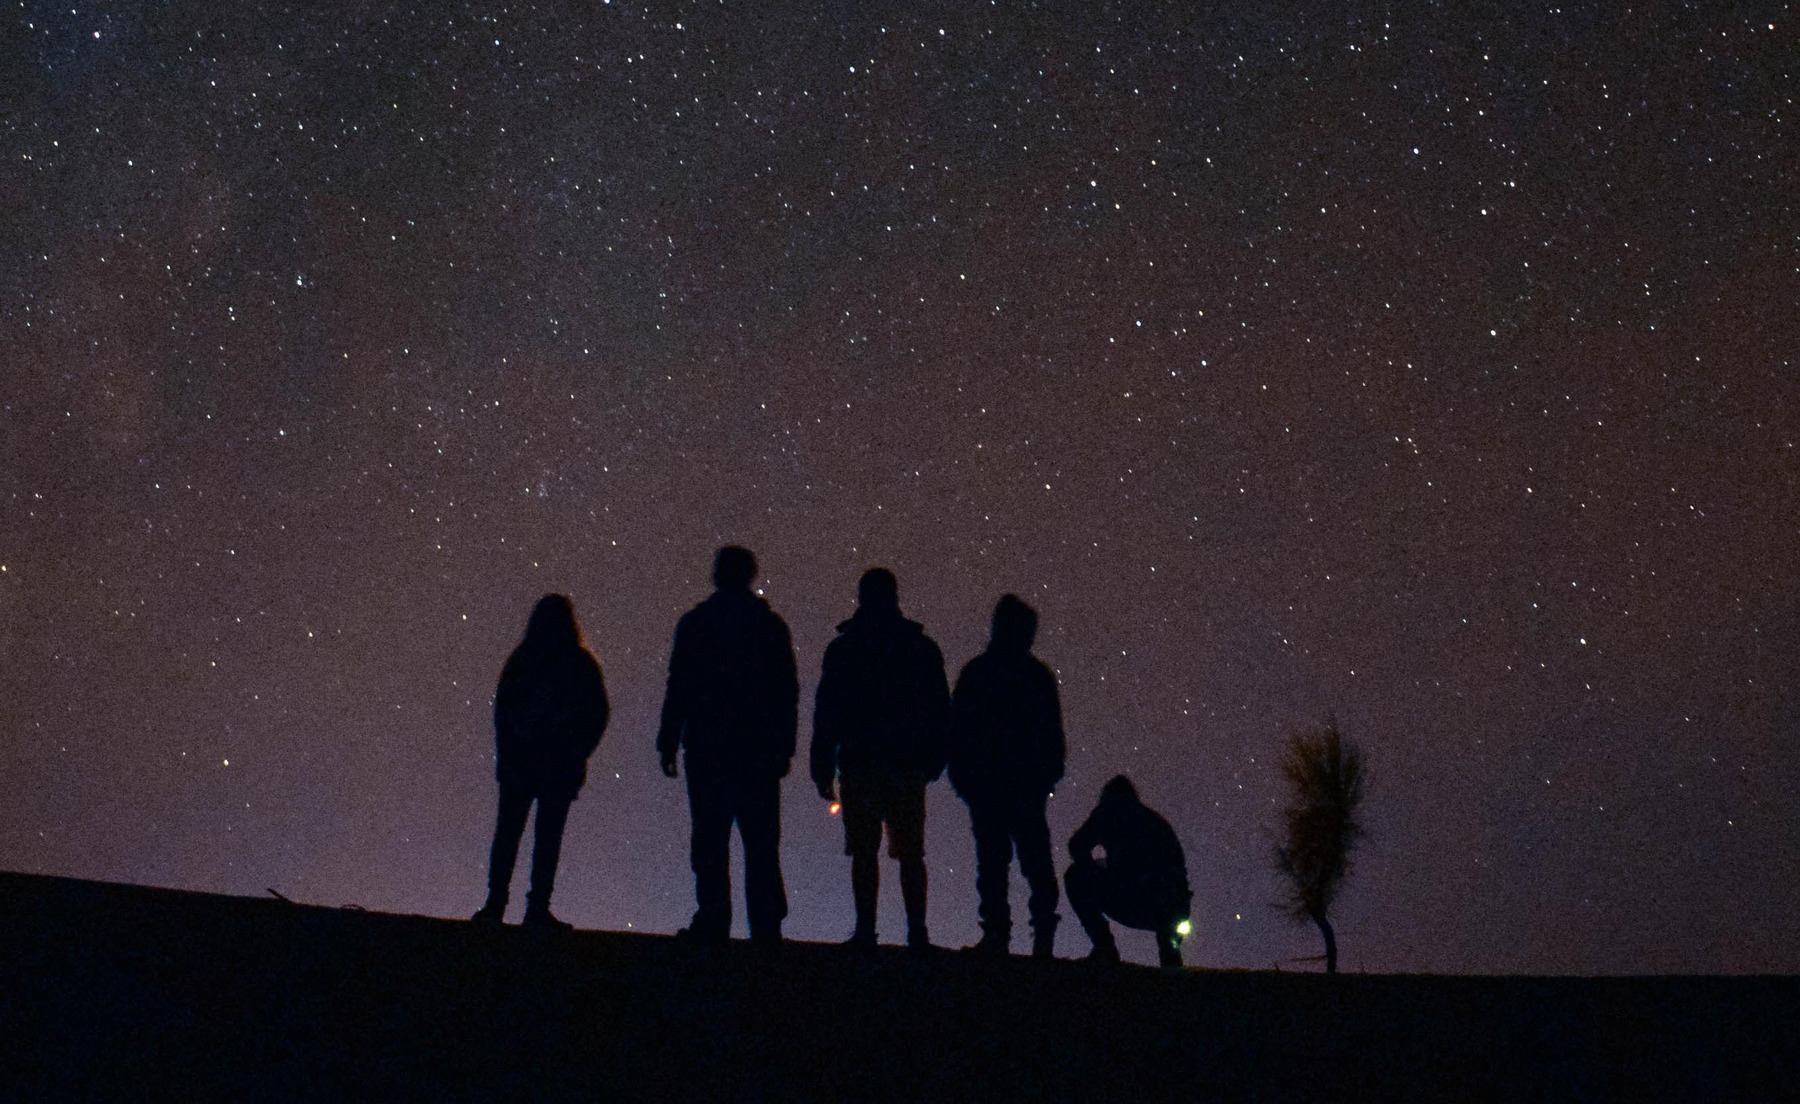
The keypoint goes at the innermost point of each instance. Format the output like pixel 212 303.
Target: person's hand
pixel 668 764
pixel 828 791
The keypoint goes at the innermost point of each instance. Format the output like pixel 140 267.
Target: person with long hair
pixel 550 710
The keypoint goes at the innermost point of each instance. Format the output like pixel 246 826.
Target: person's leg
pixel 993 862
pixel 865 892
pixel 862 842
pixel 906 842
pixel 913 881
pixel 1085 884
pixel 709 853
pixel 759 825
pixel 1148 907
pixel 509 825
pixel 1031 828
pixel 546 850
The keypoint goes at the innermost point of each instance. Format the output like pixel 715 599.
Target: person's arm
pixel 508 696
pixel 1177 857
pixel 1056 741
pixel 787 694
pixel 826 726
pixel 675 703
pixel 599 709
pixel 1085 839
pixel 1171 870
pixel 962 701
pixel 936 718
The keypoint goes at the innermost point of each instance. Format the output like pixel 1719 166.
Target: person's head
pixel 1119 791
pixel 878 591
pixel 733 568
pixel 552 623
pixel 1015 625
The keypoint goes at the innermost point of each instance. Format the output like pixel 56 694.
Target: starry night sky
pixel 1436 370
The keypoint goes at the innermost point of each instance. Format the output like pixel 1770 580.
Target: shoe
pixel 861 940
pixel 701 937
pixel 991 945
pixel 766 941
pixel 1103 956
pixel 541 921
pixel 1043 938
pixel 492 913
pixel 919 940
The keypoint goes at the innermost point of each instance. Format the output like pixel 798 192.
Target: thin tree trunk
pixel 1330 941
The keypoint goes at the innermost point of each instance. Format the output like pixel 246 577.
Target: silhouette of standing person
pixel 879 727
pixel 1006 755
pixel 732 707
pixel 1142 883
pixel 549 712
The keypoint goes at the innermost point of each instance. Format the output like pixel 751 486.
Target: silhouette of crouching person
pixel 1142 882
pixel 550 710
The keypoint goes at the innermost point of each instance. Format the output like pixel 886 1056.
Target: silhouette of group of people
pixel 886 724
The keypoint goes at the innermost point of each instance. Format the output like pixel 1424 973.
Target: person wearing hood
pixel 731 710
pixel 550 710
pixel 1140 880
pixel 880 723
pixel 1006 755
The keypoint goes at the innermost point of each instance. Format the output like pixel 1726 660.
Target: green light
pixel 1183 928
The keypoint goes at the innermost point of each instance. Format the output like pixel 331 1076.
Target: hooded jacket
pixel 733 693
pixel 883 702
pixel 1142 851
pixel 1006 727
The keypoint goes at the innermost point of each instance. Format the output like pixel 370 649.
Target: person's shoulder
pixel 767 629
pixel 517 661
pixel 921 639
pixel 508 684
pixel 766 613
pixel 1157 822
pixel 839 645
pixel 704 613
pixel 987 666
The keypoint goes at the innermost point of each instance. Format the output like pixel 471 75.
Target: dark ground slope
pixel 120 991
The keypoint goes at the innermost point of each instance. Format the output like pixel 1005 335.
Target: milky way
pixel 1430 369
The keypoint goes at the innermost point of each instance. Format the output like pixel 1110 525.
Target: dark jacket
pixel 1006 730
pixel 883 701
pixel 733 696
pixel 549 711
pixel 1141 851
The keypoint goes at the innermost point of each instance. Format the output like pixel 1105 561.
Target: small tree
pixel 1325 778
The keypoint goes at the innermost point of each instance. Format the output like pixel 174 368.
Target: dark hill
pixel 120 991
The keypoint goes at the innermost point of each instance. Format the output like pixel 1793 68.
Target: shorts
pixel 872 797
